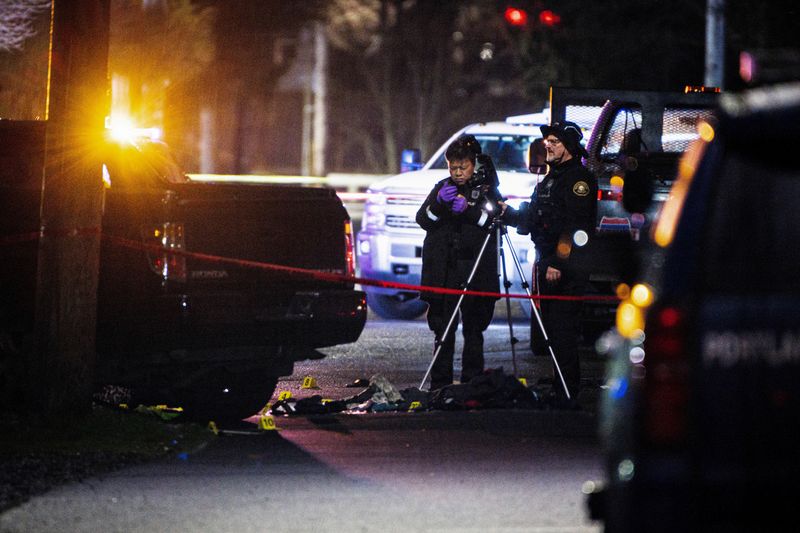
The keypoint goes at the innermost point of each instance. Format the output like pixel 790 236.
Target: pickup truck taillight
pixel 168 236
pixel 349 251
pixel 666 390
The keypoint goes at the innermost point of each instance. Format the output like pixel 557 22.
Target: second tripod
pixel 498 227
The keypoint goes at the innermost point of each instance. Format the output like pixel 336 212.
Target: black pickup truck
pixel 211 327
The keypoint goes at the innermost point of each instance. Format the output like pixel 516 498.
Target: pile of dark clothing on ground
pixel 491 390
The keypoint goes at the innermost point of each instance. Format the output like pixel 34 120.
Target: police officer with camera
pixel 561 218
pixel 457 216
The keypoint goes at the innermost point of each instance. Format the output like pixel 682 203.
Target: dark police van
pixel 700 420
pixel 636 142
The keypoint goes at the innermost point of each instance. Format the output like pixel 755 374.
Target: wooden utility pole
pixel 69 247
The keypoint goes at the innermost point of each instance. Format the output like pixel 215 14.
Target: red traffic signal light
pixel 548 18
pixel 516 16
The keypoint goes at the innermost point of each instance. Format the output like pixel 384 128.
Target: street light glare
pixel 122 130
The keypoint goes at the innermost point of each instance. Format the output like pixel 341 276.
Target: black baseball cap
pixel 568 133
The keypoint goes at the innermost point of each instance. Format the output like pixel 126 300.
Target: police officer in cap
pixel 560 218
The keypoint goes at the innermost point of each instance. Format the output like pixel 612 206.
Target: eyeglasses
pixel 552 142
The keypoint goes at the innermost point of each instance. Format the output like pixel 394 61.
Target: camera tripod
pixel 499 228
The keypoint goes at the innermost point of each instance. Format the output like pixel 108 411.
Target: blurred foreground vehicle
pixel 701 413
pixel 210 332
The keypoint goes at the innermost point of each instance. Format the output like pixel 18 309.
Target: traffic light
pixel 516 17
pixel 549 18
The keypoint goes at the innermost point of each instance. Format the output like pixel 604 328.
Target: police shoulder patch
pixel 581 188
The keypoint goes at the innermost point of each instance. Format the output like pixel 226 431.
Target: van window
pixel 626 120
pixel 680 127
pixel 585 116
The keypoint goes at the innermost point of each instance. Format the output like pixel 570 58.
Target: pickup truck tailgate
pixel 262 224
pixel 229 286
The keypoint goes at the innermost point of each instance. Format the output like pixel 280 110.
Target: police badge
pixel 581 188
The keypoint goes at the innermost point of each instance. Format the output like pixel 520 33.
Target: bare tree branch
pixel 16 22
pixel 419 67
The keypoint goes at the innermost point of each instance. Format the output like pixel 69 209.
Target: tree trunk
pixel 71 210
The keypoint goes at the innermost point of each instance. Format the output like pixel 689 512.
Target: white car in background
pixel 390 243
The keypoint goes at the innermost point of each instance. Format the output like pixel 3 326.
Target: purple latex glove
pixel 447 194
pixel 459 204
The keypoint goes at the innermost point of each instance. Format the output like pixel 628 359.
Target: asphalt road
pixel 489 470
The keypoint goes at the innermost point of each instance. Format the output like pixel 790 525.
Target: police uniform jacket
pixel 453 242
pixel 564 202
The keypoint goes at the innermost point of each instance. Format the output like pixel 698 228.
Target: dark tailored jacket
pixel 564 202
pixel 452 245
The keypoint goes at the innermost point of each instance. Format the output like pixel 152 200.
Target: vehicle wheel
pixel 226 397
pixel 396 307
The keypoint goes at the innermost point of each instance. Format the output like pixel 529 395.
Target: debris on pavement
pixel 360 382
pixel 491 390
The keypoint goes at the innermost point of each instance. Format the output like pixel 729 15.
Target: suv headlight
pixel 375 211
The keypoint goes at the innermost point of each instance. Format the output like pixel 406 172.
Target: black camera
pixel 483 187
pixel 484 183
pixel 485 174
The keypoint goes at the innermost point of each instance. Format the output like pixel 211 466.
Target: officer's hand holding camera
pixel 459 204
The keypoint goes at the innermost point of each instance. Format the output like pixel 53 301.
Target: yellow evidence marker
pixel 266 423
pixel 309 383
